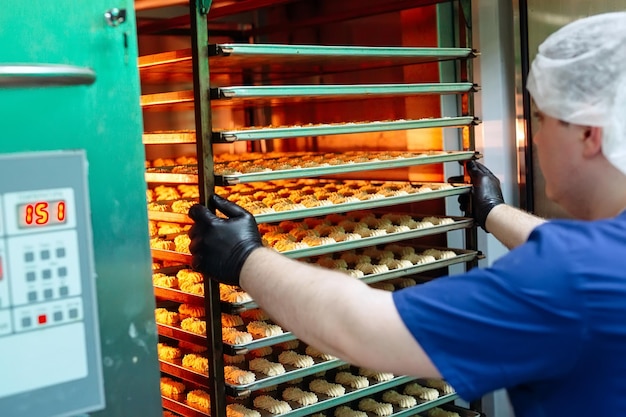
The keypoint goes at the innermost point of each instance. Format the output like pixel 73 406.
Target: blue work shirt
pixel 547 322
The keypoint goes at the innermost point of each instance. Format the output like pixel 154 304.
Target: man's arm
pixel 511 226
pixel 335 313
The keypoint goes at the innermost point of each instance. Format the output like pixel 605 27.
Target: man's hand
pixel 221 246
pixel 486 192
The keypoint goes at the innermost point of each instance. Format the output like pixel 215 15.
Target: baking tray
pixel 261 382
pixel 181 408
pixel 300 59
pixel 350 395
pixel 337 129
pixel 432 157
pixel 324 91
pixel 463 255
pixel 289 94
pixel 320 211
pixel 178 136
pixel 280 62
pixel 179 296
pixel 428 157
pixel 459 223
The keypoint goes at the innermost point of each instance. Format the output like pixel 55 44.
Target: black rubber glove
pixel 221 246
pixel 486 192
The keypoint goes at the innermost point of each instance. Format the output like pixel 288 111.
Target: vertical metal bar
pixel 527 170
pixel 198 10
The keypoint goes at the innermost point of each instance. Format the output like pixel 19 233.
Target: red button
pixel 42 319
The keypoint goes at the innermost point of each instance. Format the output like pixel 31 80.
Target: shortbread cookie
pixel 421 392
pixel 303 398
pixel 189 275
pixel 172 389
pixel 231 320
pixel 191 310
pixel 403 401
pixel 165 281
pixel 311 351
pixel 260 329
pixel 353 381
pixel 321 386
pixel 235 337
pixel 196 362
pixel 440 385
pixel 266 367
pixel 289 357
pixel 199 399
pixel 164 316
pixel 271 404
pixel 237 376
pixel 374 407
pixel 375 375
pixel 168 353
pixel 238 410
pixel 255 314
pixel 194 325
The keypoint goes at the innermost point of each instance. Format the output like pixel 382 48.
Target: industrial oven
pixel 341 126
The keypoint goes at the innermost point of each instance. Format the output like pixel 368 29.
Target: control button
pixel 47 293
pixel 31 276
pixel 46 274
pixel 26 322
pixel 62 272
pixel 73 313
pixel 32 296
pixel 29 257
pixel 45 254
pixel 64 291
pixel 42 319
pixel 60 252
pixel 58 316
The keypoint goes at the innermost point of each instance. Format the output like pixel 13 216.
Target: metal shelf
pixel 337 129
pixel 289 94
pixel 432 157
pixel 457 189
pixel 459 223
pixel 279 61
pixel 350 395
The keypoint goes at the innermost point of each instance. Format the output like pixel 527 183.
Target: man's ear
pixel 592 140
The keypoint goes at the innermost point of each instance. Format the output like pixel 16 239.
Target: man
pixel 548 320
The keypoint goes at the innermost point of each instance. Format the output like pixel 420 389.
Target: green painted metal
pixel 105 119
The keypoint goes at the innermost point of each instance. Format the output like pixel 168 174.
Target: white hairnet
pixel 579 76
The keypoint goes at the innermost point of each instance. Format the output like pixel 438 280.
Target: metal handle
pixel 44 75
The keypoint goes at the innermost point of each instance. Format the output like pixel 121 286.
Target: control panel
pixel 50 361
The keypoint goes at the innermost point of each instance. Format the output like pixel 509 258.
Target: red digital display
pixel 42 213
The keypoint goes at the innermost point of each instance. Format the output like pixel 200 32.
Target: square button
pixel 73 313
pixel 32 296
pixel 57 316
pixel 63 291
pixel 42 319
pixel 46 274
pixel 62 272
pixel 26 322
pixel 29 257
pixel 60 252
pixel 45 254
pixel 31 276
pixel 47 293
